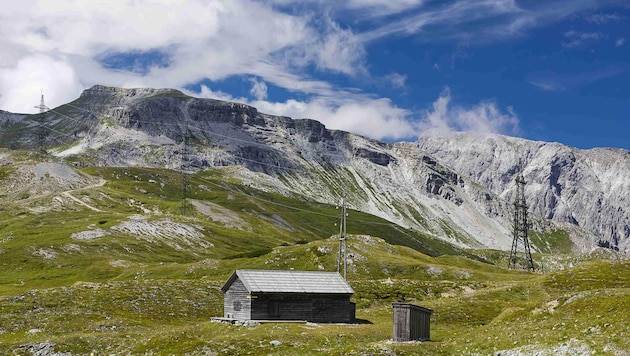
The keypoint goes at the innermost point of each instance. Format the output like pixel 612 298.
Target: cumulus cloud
pixel 167 43
pixel 381 119
pixel 64 46
pixel 20 85
pixel 378 118
pixel 485 117
pixel 259 89
pixel 206 92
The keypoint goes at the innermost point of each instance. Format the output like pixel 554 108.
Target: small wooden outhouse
pixel 411 322
pixel 322 297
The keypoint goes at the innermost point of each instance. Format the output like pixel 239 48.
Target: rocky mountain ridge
pixel 406 183
pixel 588 188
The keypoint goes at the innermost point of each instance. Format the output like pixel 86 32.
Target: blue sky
pixel 388 69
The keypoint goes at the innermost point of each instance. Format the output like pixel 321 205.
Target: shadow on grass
pixel 363 321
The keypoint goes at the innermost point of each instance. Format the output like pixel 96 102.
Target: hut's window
pixel 274 308
pixel 237 305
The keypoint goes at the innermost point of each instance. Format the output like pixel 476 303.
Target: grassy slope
pixel 158 299
pixel 477 308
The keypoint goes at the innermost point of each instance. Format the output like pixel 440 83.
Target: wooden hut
pixel 322 297
pixel 411 322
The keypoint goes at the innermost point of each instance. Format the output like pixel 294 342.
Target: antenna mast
pixel 520 224
pixel 343 245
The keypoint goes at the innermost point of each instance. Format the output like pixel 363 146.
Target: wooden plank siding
pixel 318 308
pixel 411 322
pixel 288 295
pixel 237 302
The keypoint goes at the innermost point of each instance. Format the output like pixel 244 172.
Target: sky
pixel 550 70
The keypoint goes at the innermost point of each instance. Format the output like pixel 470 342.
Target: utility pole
pixel 343 244
pixel 520 224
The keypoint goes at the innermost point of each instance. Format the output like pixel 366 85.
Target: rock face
pixel 411 184
pixel 588 188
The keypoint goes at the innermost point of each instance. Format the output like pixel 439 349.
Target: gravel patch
pixel 572 347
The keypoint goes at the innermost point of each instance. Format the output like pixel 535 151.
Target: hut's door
pixel 274 308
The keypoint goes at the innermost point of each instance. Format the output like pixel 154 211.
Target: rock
pixel 275 343
pixel 41 349
pixel 588 188
pixel 457 186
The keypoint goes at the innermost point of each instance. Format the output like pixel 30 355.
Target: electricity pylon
pixel 520 225
pixel 342 259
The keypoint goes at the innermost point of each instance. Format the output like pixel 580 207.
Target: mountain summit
pixel 456 187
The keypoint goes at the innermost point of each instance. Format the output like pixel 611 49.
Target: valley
pixel 103 251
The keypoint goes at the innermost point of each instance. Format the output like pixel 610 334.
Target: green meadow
pixel 126 273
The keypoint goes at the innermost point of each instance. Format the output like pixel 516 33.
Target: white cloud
pixel 474 22
pixel 582 39
pixel 396 80
pixel 546 85
pixel 340 51
pixel 482 117
pixel 378 118
pixel 501 16
pixel 21 85
pixel 259 89
pixel 330 47
pixel 198 39
pixel 552 81
pixel 207 93
pixel 620 41
pixel 601 19
pixel 377 8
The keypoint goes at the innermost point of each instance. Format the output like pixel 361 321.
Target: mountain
pixel 587 188
pixel 409 184
pixel 123 212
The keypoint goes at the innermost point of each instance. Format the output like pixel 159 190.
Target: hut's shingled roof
pixel 274 281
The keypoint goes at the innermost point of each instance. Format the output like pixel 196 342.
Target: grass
pixel 472 315
pixel 555 241
pixel 121 294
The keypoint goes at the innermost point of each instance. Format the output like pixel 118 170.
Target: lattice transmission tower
pixel 342 259
pixel 41 131
pixel 42 107
pixel 185 206
pixel 520 226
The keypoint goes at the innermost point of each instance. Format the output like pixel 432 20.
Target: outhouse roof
pixel 275 281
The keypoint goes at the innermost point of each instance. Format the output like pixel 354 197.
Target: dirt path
pixel 68 193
